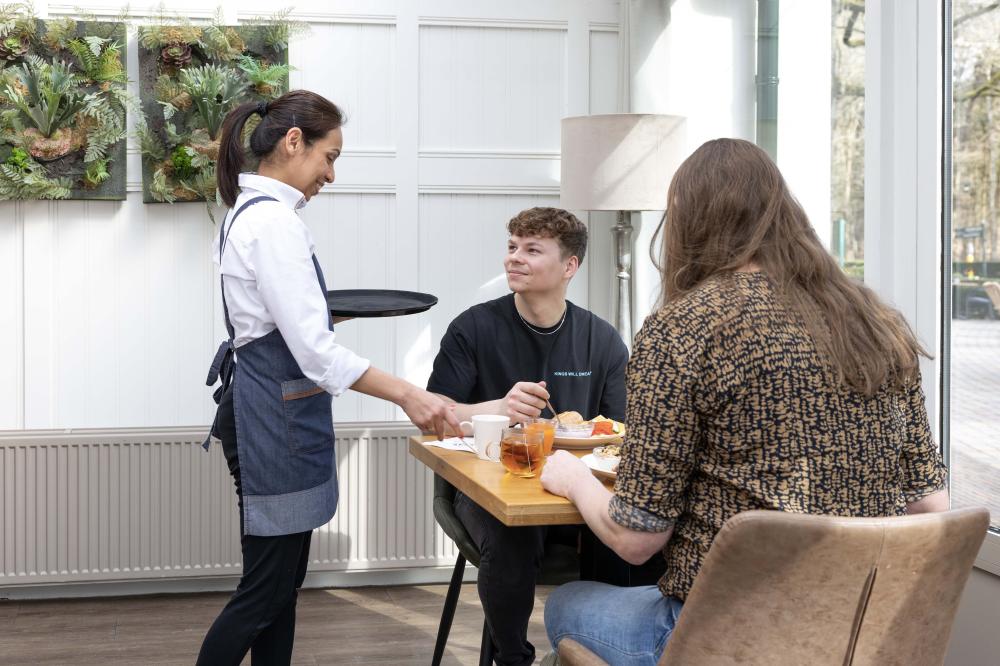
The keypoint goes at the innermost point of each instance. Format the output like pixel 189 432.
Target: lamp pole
pixel 622 235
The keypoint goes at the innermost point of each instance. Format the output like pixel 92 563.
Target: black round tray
pixel 377 302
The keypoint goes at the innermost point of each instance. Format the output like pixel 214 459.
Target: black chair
pixel 561 564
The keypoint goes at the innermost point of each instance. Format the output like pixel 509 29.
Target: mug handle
pixel 493 451
pixel 470 430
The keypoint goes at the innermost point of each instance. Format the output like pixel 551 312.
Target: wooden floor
pixel 373 625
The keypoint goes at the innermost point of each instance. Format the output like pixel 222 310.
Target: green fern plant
pixel 202 183
pixel 266 78
pixel 108 127
pixel 181 160
pixel 51 97
pixel 30 182
pixel 149 143
pixel 213 90
pixel 222 43
pixel 96 173
pixel 155 37
pixel 278 29
pixel 58 33
pixel 166 88
pixel 159 189
pixel 18 19
pixel 19 159
pixel 100 59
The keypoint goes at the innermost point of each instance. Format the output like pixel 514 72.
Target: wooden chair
pixel 779 588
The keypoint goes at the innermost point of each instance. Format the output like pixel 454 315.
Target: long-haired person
pixel 766 379
pixel 275 411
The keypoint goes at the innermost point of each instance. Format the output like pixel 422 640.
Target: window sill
pixel 989 554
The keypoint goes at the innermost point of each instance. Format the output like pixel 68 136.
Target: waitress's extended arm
pixel 287 283
pixel 427 411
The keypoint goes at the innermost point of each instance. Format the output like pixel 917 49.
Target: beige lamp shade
pixel 619 161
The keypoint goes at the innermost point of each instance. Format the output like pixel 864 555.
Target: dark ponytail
pixel 313 114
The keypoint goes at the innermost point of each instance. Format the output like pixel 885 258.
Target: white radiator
pixel 130 505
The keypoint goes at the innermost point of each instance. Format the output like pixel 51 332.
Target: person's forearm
pixel 382 385
pixel 466 412
pixel 426 410
pixel 936 501
pixel 592 499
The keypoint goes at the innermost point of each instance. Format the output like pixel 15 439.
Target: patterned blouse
pixel 731 408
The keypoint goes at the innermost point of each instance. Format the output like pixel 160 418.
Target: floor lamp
pixel 620 162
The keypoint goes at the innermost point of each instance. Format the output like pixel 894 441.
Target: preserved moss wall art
pixel 62 108
pixel 190 76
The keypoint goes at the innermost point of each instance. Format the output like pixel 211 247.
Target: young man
pixel 507 356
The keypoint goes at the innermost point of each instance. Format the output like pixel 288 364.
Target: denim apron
pixel 284 427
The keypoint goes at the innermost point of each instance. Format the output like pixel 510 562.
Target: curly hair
pixel 563 226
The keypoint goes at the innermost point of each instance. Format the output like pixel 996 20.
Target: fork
pixel 554 412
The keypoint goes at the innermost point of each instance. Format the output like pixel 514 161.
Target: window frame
pixel 907 188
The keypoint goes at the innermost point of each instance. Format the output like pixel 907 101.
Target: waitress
pixel 280 367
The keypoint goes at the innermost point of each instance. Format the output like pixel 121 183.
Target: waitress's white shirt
pixel 270 282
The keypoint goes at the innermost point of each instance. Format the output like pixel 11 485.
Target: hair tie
pixel 262 109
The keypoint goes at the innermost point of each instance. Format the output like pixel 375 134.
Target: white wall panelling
pixel 111 309
pixel 118 314
pixel 12 306
pixel 499 89
pixel 603 71
pixel 352 64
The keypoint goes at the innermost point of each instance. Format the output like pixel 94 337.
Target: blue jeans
pixel 622 625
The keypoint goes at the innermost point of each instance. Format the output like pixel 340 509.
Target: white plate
pixel 601 467
pixel 584 442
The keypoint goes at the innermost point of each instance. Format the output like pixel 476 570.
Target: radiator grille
pixel 128 505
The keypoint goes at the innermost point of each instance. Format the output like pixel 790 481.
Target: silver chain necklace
pixel 535 330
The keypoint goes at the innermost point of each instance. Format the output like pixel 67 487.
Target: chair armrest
pixel 572 653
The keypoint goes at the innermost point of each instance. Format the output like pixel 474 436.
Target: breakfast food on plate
pixel 583 429
pixel 603 428
pixel 609 451
pixel 570 418
pixel 571 424
pixel 607 458
pixel 613 427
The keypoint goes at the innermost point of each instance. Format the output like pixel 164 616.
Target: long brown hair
pixel 314 114
pixel 728 206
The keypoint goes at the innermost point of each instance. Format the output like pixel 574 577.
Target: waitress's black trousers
pixel 260 616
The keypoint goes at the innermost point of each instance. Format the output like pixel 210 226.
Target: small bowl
pixel 610 452
pixel 575 430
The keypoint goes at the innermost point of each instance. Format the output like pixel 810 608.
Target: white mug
pixel 487 430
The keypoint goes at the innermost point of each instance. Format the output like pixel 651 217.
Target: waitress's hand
pixel 429 412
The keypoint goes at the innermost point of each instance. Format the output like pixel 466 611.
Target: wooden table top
pixel 512 500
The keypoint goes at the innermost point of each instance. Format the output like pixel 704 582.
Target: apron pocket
pixel 308 415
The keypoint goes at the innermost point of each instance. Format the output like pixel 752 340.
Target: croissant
pixel 570 418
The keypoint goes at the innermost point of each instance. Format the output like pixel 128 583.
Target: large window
pixel 819 90
pixel 847 173
pixel 975 256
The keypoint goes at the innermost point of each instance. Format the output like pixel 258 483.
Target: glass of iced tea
pixel 522 452
pixel 547 427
